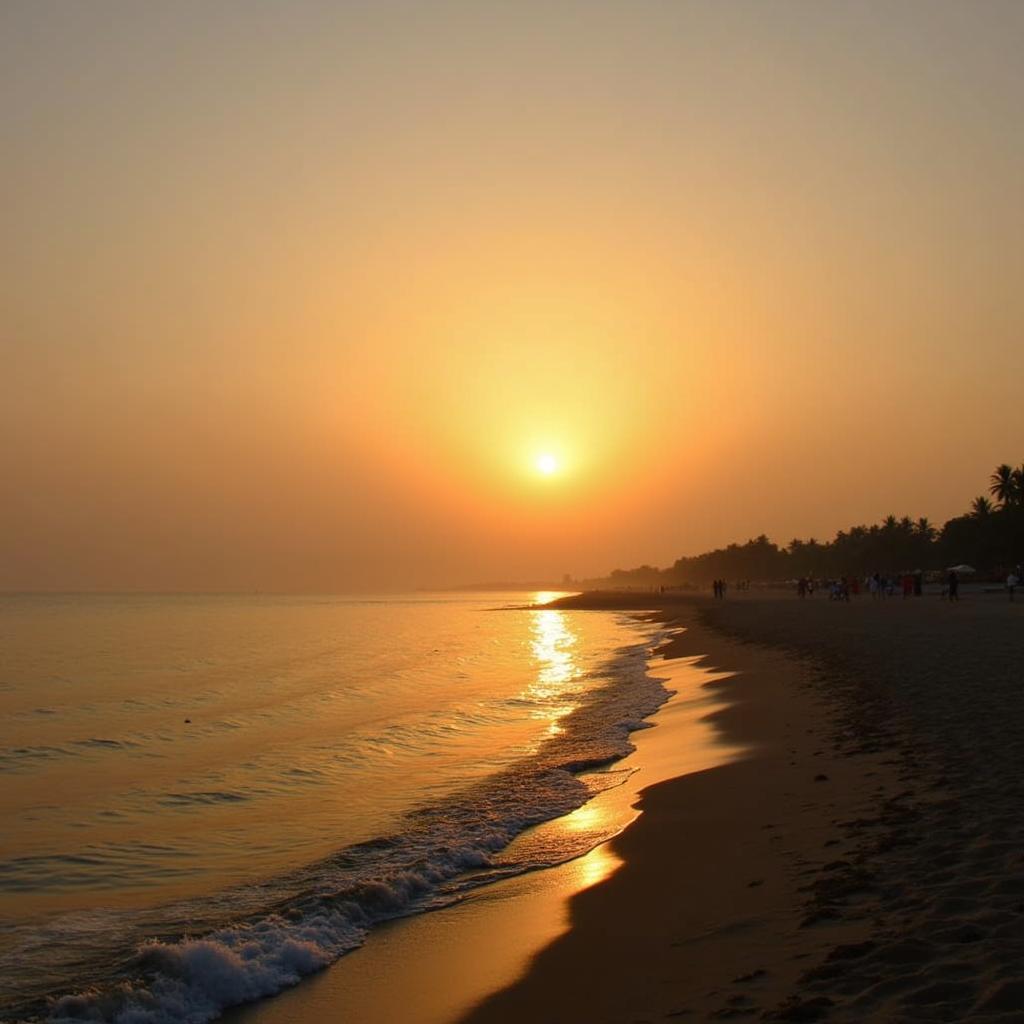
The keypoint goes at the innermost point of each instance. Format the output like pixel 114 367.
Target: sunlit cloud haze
pixel 296 295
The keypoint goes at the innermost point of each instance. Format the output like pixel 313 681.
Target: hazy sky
pixel 294 294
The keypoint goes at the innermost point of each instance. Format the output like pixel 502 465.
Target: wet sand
pixel 866 862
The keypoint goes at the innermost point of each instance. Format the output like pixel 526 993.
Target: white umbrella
pixel 961 568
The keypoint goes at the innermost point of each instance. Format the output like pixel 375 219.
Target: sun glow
pixel 547 464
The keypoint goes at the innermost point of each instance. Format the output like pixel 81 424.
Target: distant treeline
pixel 990 537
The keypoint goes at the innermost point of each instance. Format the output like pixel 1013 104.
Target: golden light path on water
pixel 552 642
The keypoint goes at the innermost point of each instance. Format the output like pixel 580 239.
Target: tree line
pixel 989 537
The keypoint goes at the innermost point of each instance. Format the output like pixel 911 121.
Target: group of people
pixel 877 585
pixel 911 584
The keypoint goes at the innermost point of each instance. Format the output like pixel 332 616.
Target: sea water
pixel 205 798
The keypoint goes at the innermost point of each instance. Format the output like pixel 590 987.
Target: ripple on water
pixel 212 796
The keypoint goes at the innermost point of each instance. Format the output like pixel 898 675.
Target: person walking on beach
pixel 953 584
pixel 1011 583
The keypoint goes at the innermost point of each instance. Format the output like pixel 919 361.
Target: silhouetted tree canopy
pixel 990 537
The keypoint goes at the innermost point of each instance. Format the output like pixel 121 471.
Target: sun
pixel 547 464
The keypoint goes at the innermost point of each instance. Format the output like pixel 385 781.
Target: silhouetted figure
pixel 918 584
pixel 1012 582
pixel 953 585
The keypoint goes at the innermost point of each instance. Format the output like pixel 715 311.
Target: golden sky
pixel 294 295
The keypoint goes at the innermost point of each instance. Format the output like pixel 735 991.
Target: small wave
pixel 195 979
pixel 213 796
pixel 97 743
pixel 100 867
pixel 14 759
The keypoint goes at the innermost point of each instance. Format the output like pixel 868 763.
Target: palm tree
pixel 981 507
pixel 1018 484
pixel 925 529
pixel 1005 485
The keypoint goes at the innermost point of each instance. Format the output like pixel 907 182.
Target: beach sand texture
pixel 865 863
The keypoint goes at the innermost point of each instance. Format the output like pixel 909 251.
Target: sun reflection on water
pixel 552 642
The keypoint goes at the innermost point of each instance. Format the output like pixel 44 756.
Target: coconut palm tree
pixel 981 507
pixel 1004 485
pixel 1018 482
pixel 924 529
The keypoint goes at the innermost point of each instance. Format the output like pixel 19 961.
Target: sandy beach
pixel 864 863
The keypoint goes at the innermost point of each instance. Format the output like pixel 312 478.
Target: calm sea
pixel 204 799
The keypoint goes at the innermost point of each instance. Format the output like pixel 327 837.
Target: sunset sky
pixel 295 295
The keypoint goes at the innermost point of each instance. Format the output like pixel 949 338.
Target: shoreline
pixel 898 868
pixel 415 968
pixel 707 918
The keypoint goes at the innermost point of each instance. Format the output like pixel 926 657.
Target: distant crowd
pixel 842 588
pixel 909 584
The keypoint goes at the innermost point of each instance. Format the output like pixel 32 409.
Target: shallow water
pixel 206 798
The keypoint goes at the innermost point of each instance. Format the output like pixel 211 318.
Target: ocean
pixel 206 798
